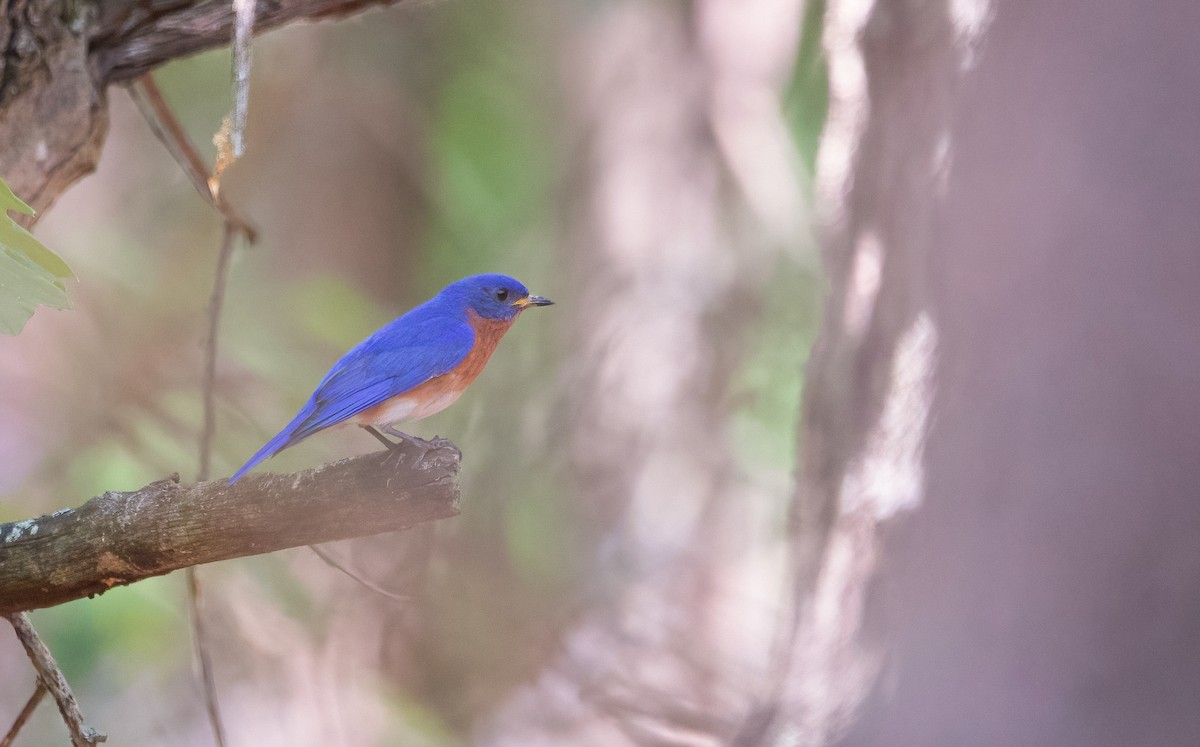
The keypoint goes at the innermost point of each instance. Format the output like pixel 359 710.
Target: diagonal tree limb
pixel 120 538
pixel 52 678
pixel 166 126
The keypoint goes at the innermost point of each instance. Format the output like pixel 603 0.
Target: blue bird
pixel 412 367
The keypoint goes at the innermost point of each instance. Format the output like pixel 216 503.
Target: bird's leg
pixel 417 443
pixel 382 438
pixel 420 445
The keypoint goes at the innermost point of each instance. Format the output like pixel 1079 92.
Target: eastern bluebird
pixel 413 366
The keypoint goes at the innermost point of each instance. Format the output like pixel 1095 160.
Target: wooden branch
pixel 133 36
pixel 119 538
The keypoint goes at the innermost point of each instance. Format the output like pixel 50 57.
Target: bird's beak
pixel 521 303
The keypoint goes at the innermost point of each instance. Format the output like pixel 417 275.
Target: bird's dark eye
pixel 502 295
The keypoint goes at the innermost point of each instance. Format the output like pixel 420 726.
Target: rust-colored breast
pixel 487 336
pixel 440 392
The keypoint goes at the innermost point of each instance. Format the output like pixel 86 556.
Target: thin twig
pixel 200 646
pixel 51 676
pixel 154 108
pixel 30 706
pixel 332 562
pixel 208 383
pixel 208 388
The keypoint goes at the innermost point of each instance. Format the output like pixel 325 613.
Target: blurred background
pixel 628 455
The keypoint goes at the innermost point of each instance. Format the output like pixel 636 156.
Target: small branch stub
pixel 119 538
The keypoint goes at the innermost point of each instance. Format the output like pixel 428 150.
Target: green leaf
pixel 10 201
pixel 29 272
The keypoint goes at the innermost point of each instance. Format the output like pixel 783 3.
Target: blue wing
pixel 402 355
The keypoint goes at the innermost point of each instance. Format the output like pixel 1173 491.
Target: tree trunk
pixel 1002 419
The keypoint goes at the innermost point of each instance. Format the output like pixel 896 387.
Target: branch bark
pixel 133 36
pixel 120 538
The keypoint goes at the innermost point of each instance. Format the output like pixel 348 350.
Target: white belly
pixel 404 409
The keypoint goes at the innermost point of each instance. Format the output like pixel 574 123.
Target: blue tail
pixel 293 433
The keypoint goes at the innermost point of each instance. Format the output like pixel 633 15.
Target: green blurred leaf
pixel 29 272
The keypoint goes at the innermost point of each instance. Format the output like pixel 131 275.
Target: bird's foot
pixel 408 444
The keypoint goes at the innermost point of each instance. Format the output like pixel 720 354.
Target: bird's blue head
pixel 492 296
